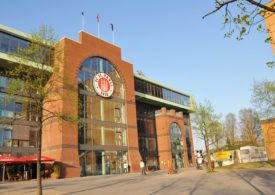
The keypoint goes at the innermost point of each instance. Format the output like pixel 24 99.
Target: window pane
pixel 33 138
pixel 4 43
pixel 3 82
pixel 23 143
pixel 13 45
pixel 7 138
pixel 6 107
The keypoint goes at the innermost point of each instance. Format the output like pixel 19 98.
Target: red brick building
pixel 125 117
pixel 268 129
pixel 268 125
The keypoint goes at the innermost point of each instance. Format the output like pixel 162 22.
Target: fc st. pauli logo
pixel 103 85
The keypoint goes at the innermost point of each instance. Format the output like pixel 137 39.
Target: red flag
pixel 97 17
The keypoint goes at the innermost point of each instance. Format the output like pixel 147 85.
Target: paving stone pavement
pixel 187 181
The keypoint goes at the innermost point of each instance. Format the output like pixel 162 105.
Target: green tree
pixel 264 98
pixel 250 127
pixel 35 75
pixel 230 126
pixel 204 123
pixel 217 134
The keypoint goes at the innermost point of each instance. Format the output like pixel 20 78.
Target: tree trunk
pixel 217 145
pixel 207 153
pixel 38 171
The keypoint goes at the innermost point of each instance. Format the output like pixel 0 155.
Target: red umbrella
pixel 9 159
pixel 34 159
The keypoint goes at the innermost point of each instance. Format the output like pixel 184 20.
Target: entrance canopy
pixel 34 159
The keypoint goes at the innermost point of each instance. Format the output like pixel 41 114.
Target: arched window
pixel 94 65
pixel 176 145
pixel 104 119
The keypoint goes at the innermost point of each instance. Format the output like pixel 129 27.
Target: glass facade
pixel 13 109
pixel 102 136
pixel 102 162
pixel 20 108
pixel 147 136
pixel 161 92
pixel 11 44
pixel 5 135
pixel 188 142
pixel 177 146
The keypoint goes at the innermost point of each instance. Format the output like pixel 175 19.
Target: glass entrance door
pixel 102 162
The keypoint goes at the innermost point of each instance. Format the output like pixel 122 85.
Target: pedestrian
pixel 142 166
pixel 125 167
pixel 198 156
pixel 212 162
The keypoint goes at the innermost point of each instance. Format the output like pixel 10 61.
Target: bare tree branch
pixel 259 4
pixel 220 5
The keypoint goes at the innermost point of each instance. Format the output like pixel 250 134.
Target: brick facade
pixel 60 139
pixel 268 129
pixel 270 25
pixel 191 140
pixel 268 126
pixel 73 145
pixel 164 119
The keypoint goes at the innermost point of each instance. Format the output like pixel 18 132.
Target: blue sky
pixel 168 40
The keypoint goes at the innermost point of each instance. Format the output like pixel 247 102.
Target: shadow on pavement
pixel 249 175
pixel 196 186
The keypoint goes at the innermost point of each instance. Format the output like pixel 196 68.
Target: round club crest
pixel 103 85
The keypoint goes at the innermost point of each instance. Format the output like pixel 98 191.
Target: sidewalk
pixel 187 181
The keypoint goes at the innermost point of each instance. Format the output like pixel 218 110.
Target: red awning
pixel 9 159
pixel 34 159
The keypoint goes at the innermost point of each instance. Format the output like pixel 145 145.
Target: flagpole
pixel 98 31
pixel 113 37
pixel 82 20
pixel 113 33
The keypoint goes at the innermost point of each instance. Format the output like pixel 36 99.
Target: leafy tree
pixel 230 129
pixel 217 134
pixel 240 16
pixel 264 98
pixel 205 123
pixel 250 127
pixel 36 76
pixel 249 13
